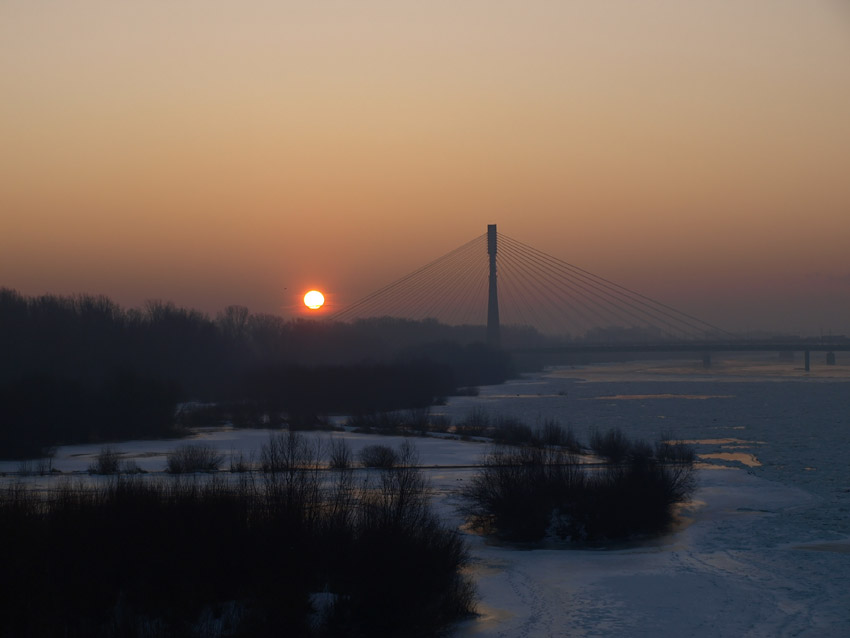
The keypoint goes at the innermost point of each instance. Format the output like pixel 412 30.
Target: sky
pixel 214 152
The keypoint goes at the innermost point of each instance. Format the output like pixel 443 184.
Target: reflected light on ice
pixel 741 457
pixel 627 397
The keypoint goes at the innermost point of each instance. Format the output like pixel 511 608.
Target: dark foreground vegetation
pixel 300 551
pixel 530 492
pixel 82 369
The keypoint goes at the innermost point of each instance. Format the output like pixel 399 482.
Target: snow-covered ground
pixel 763 550
pixel 722 575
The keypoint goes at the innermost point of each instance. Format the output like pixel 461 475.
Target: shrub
pixel 378 551
pixel 640 452
pixel 239 463
pixel 389 422
pixel 628 500
pixel 382 422
pixel 417 418
pixel 476 423
pixel 26 468
pixel 552 433
pixel 524 493
pixel 398 533
pixel 669 451
pixel 41 466
pixel 401 497
pixel 516 490
pixel 287 452
pixel 378 456
pixel 198 415
pixel 291 475
pixel 193 457
pixel 340 455
pixel 612 445
pixel 308 421
pixel 131 467
pixel 512 431
pixel 441 423
pixel 108 461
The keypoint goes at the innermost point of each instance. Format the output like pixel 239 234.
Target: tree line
pixel 296 551
pixel 82 368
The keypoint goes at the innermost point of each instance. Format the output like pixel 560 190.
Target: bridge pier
pixel 830 358
pixel 493 336
pixel 807 360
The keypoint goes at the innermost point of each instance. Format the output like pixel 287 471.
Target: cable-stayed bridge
pixel 498 280
pixel 534 289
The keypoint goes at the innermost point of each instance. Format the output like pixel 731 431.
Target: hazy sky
pixel 214 153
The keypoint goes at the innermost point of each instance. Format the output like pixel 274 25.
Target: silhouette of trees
pixel 306 392
pixel 139 557
pixel 524 493
pixel 40 411
pixel 471 364
pixel 83 369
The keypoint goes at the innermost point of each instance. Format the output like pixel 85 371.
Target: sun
pixel 314 300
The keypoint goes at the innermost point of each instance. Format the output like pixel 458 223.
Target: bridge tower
pixel 493 337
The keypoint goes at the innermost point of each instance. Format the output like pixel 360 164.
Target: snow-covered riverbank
pixel 763 550
pixel 720 575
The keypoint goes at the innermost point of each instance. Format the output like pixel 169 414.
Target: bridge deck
pixel 690 346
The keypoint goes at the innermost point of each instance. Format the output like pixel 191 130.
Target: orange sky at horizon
pixel 214 153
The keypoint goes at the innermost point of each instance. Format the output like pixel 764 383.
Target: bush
pixel 669 451
pixel 381 422
pixel 516 490
pixel 193 457
pixel 640 452
pixel 108 461
pixel 340 455
pixel 42 411
pixel 239 463
pixel 287 452
pixel 441 423
pixel 612 446
pixel 417 419
pixel 131 467
pixel 512 431
pixel 238 552
pixel 552 433
pixel 476 423
pixel 378 456
pixel 41 466
pixel 398 534
pixel 522 494
pixel 629 500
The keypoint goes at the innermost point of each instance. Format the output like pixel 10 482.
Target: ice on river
pixel 763 550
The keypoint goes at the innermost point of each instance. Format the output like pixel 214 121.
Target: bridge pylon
pixel 493 332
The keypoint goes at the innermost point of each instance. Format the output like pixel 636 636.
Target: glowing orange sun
pixel 314 300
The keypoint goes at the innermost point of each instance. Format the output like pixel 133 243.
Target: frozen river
pixel 764 549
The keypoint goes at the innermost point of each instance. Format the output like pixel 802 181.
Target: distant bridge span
pixel 496 278
pixel 704 347
pixel 520 286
